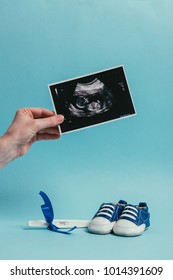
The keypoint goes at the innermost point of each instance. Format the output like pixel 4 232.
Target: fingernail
pixel 60 118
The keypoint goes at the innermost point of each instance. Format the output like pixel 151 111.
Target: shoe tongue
pixel 123 202
pixel 131 205
pixel 142 204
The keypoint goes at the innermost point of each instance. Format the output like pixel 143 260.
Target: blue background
pixel 42 42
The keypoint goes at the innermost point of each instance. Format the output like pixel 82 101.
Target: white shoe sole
pixel 129 231
pixel 101 229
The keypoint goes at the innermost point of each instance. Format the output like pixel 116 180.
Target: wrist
pixel 8 151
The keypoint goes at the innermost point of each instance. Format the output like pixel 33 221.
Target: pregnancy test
pixel 59 223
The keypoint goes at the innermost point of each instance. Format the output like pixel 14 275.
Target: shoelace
pixel 47 210
pixel 107 210
pixel 129 212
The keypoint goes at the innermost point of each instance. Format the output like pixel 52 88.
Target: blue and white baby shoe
pixel 105 218
pixel 133 221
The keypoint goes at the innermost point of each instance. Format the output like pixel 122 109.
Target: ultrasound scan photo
pixel 92 99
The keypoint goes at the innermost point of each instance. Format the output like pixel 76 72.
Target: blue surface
pixel 42 42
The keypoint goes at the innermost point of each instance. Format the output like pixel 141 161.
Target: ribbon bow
pixel 47 210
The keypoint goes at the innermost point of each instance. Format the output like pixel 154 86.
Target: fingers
pixel 37 120
pixel 39 112
pixel 50 130
pixel 48 122
pixel 46 136
pixel 51 133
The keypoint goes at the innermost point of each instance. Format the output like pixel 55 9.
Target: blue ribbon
pixel 47 210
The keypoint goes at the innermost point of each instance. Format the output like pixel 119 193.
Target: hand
pixel 29 125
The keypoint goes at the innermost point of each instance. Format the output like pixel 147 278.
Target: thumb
pixel 48 122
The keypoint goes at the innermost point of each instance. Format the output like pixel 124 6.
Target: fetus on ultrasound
pixel 90 99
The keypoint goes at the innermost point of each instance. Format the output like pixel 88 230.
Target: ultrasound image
pixel 90 99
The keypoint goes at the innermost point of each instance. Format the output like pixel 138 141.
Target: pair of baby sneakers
pixel 121 219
